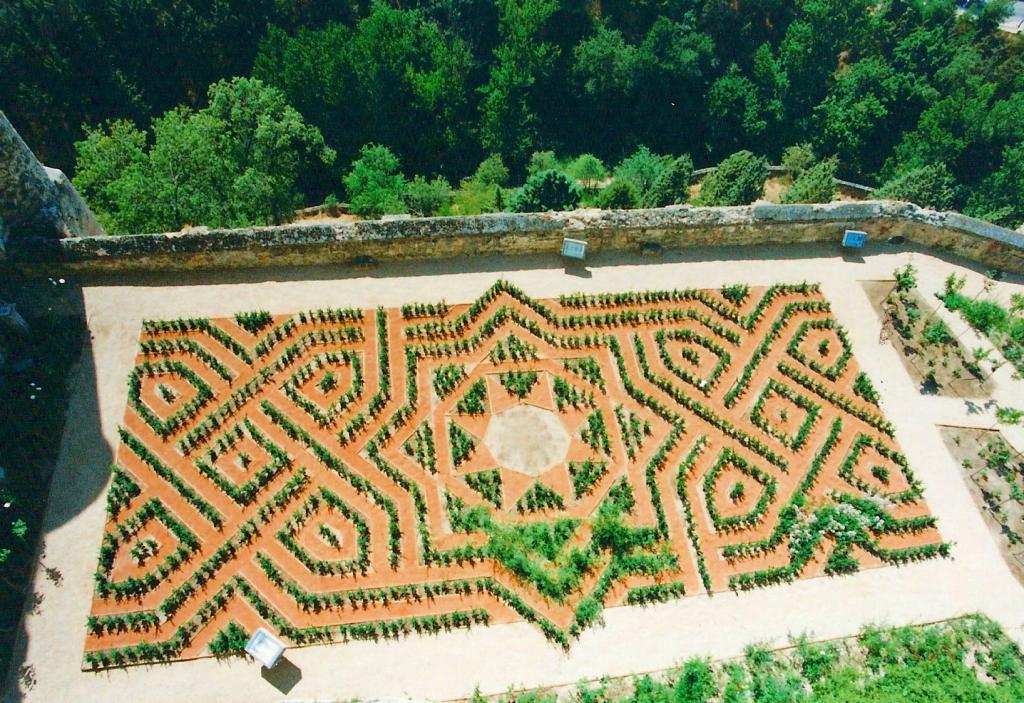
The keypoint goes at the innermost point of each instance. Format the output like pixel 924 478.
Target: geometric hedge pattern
pixel 329 475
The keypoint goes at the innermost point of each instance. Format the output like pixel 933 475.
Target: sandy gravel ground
pixel 498 657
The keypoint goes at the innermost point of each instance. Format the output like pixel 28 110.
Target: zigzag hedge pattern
pixel 327 475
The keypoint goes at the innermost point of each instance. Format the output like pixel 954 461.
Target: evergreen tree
pixel 547 190
pixel 739 180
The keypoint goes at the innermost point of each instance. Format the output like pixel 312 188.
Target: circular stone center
pixel 527 439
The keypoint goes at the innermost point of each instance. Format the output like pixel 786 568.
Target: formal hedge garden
pixel 313 467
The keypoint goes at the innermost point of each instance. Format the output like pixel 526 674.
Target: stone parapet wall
pixel 441 237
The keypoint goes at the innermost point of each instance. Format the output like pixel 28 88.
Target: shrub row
pixel 331 316
pixel 253 322
pixel 581 300
pixel 705 413
pixel 569 396
pixel 167 347
pixel 309 340
pixel 595 433
pixel 863 387
pixel 873 419
pixel 539 497
pixel 518 383
pixel 474 402
pixel 122 489
pixel 740 386
pixel 227 551
pixel 283 497
pixel 420 446
pixel 514 349
pixel 168 649
pixel 633 429
pixel 587 368
pixel 585 474
pixel 462 444
pixel 655 593
pixel 372 630
pixel 198 324
pixel 360 484
pixel 163 471
pixel 691 526
pixel 447 378
pixel 213 422
pixel 141 621
pixel 417 310
pixel 487 484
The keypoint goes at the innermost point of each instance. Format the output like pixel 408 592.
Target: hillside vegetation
pixel 232 112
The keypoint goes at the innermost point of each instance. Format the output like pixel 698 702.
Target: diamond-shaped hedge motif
pixel 153 375
pixel 243 493
pixel 715 492
pixel 331 517
pixel 873 468
pixel 318 381
pixel 823 346
pixel 687 354
pixel 785 414
pixel 121 546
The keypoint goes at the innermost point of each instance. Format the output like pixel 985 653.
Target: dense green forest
pixel 225 112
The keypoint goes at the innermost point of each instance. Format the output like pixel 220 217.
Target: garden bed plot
pixel 970 655
pixel 1004 326
pixel 929 351
pixel 995 475
pixel 364 474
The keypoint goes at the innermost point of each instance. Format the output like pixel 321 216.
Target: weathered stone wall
pixel 37 201
pixel 671 227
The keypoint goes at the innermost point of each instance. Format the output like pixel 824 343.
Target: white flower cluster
pixel 845 524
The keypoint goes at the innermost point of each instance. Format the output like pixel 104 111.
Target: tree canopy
pixel 887 86
pixel 738 180
pixel 236 162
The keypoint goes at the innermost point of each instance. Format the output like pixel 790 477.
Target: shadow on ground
pixel 52 377
pixel 284 676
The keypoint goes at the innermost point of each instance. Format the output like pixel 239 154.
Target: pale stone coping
pixel 509 233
